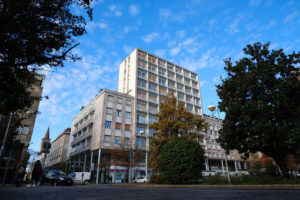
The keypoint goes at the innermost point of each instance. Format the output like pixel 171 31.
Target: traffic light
pixel 46 147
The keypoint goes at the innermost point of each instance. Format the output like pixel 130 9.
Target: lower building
pixel 57 157
pixel 104 125
pixel 216 156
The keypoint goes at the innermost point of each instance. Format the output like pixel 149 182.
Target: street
pixel 105 192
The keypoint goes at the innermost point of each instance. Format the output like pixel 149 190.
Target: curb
pixel 267 186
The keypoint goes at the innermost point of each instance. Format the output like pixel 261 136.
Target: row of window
pixel 109 111
pixel 110 98
pixel 154 78
pixel 117 140
pixel 162 63
pixel 108 124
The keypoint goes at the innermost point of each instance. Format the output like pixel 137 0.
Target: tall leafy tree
pixel 173 120
pixel 261 99
pixel 34 33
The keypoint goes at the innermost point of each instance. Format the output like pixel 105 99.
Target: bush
pixel 156 179
pixel 181 161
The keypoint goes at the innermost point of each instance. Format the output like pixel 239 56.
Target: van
pixel 81 177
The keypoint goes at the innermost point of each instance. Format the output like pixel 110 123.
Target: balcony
pixel 80 138
pixel 80 149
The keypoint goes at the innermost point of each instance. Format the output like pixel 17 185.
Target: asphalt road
pixel 108 192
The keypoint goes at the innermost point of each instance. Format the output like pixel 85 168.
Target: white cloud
pixel 133 10
pixel 290 17
pixel 150 37
pixel 113 10
pixel 160 52
pixel 127 49
pixel 254 2
pixel 202 83
pixel 181 33
pixel 208 59
pixel 167 15
pixel 175 50
pixel 233 27
pixel 103 25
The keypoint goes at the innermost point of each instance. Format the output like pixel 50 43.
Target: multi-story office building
pixel 215 154
pixel 104 124
pixel 150 79
pixel 59 149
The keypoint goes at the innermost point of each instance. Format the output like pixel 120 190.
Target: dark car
pixel 56 177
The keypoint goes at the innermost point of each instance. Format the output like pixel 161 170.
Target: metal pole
pixel 91 162
pixel 6 135
pixel 222 167
pixel 147 144
pixel 84 161
pixel 98 165
pixel 129 173
pixel 6 168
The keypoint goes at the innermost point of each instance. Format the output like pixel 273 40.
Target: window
pixel 161 72
pixel 25 129
pixel 119 113
pixel 162 81
pixel 109 111
pixel 140 118
pixel 152 78
pixel 141 84
pixel 128 115
pixel 194 76
pixel 196 101
pixel 180 96
pixel 107 124
pixel 152 68
pixel 188 99
pixel 170 67
pixel 152 86
pixel 119 100
pixel 152 119
pixel 117 140
pixel 118 126
pixel 152 59
pixel 128 103
pixel 141 55
pixel 189 108
pixel 196 110
pixel 141 74
pixel 127 127
pixel 162 63
pixel 110 98
pixel 179 86
pixel 142 63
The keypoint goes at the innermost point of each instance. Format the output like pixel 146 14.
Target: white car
pixel 140 180
pixel 81 177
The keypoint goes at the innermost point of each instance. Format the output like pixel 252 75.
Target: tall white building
pixel 150 79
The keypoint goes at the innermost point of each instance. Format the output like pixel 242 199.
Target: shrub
pixel 181 161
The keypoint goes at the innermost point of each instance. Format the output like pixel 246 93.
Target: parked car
pixel 81 177
pixel 208 173
pixel 140 180
pixel 56 177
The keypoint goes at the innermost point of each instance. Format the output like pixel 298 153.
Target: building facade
pixel 41 154
pixel 215 154
pixel 27 124
pixel 59 149
pixel 104 124
pixel 150 79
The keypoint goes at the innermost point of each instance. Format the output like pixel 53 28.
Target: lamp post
pixel 146 156
pixel 212 108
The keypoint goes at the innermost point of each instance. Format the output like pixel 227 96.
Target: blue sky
pixel 195 34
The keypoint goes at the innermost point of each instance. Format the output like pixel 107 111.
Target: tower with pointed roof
pixel 46 138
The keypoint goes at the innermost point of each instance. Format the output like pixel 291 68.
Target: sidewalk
pixel 267 186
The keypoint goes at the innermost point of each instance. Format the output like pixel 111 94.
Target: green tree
pixel 261 99
pixel 173 120
pixel 34 34
pixel 181 160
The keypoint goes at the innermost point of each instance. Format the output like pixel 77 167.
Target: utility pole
pixel 6 135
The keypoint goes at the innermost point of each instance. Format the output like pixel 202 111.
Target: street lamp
pixel 146 157
pixel 212 108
